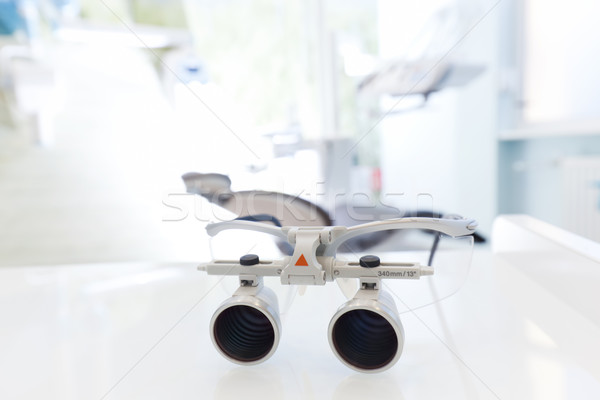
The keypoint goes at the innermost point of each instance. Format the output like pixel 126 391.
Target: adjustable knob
pixel 249 260
pixel 370 261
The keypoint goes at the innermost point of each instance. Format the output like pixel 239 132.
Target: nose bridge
pixel 304 267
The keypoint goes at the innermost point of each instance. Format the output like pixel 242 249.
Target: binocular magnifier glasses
pixel 365 333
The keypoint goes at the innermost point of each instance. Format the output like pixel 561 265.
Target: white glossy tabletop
pixel 140 331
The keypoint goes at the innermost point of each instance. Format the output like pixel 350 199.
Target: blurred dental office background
pixel 474 107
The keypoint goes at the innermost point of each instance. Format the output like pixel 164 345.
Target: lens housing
pixel 366 333
pixel 246 328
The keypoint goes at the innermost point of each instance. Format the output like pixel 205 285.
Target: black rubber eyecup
pixel 244 333
pixel 365 339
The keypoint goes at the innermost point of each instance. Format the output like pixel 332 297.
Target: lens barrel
pixel 246 328
pixel 366 333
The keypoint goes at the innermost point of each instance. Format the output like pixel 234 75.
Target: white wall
pixel 449 147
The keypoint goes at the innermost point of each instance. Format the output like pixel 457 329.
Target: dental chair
pixel 282 209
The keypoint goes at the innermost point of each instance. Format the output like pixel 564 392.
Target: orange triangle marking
pixel 302 261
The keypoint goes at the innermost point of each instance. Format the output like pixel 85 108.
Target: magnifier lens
pixel 365 339
pixel 244 333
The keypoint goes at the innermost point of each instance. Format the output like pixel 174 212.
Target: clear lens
pixel 234 243
pixel 450 257
pixel 231 244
